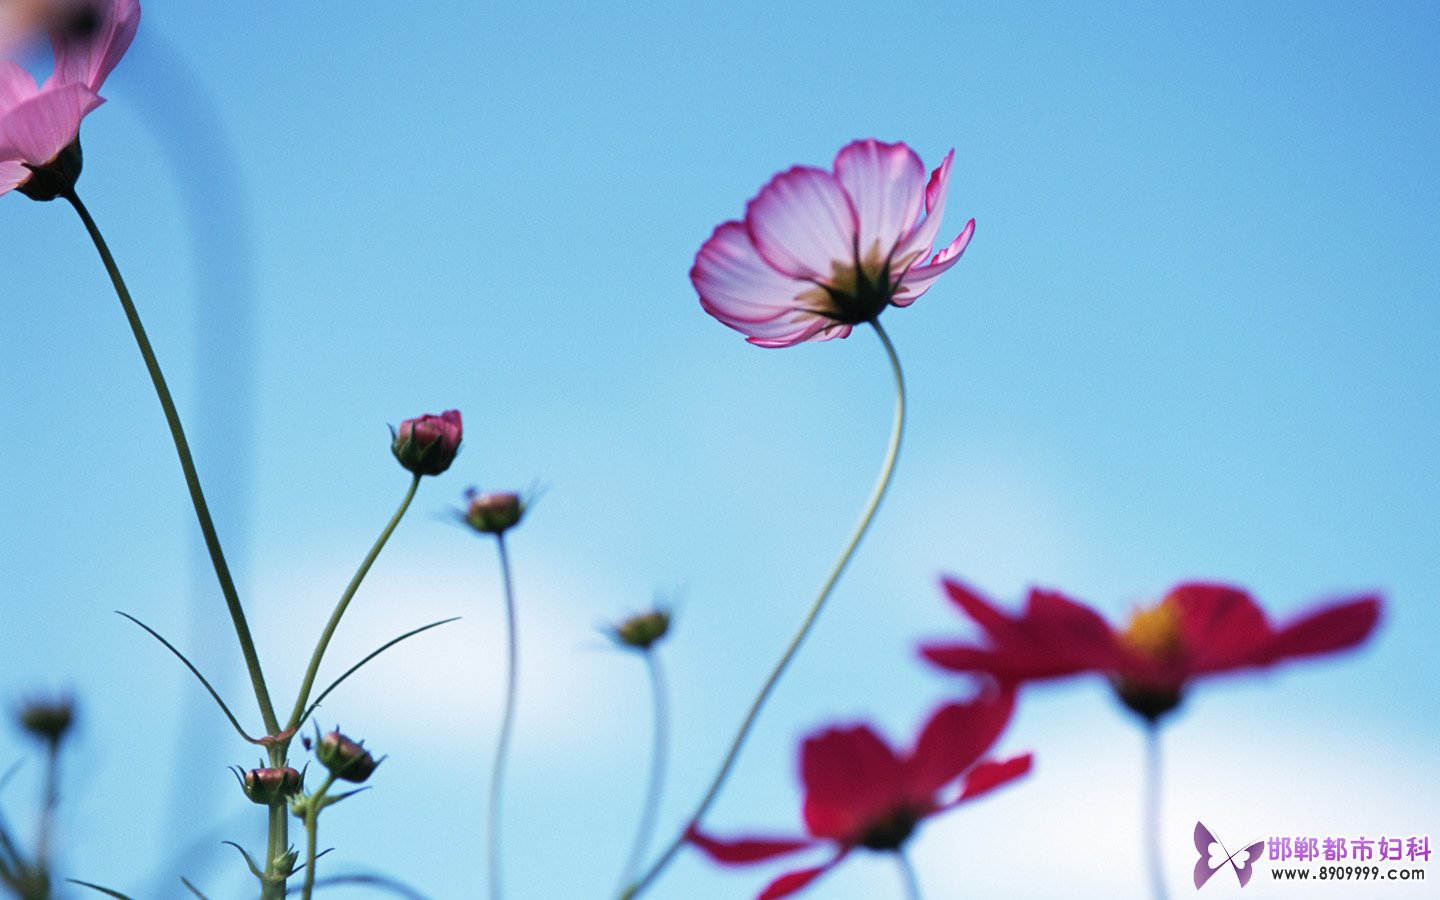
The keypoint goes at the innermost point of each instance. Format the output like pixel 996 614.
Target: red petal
pixel 956 736
pixel 1220 628
pixel 791 882
pixel 851 778
pixel 744 850
pixel 1335 627
pixel 989 775
pixel 1054 636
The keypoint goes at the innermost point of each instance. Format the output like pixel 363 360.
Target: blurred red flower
pixel 1197 629
pixel 861 793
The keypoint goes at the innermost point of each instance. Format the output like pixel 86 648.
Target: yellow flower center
pixel 1154 631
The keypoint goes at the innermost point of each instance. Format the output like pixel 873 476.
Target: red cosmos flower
pixel 821 252
pixel 861 793
pixel 1197 629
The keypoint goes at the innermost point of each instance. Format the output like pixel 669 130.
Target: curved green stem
pixel 1152 811
pixel 187 464
pixel 309 683
pixel 882 483
pixel 656 782
pixel 907 874
pixel 507 725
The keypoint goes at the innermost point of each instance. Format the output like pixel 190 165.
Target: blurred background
pixel 1194 337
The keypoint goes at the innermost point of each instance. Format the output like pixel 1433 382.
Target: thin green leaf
pixel 353 669
pixel 196 672
pixel 254 869
pixel 193 889
pixel 96 887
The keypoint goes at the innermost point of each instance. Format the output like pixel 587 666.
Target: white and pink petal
pixel 916 245
pixel 802 224
pixel 886 184
pixel 918 280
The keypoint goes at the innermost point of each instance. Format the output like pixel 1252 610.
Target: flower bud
pixel 493 513
pixel 271 786
pixel 643 630
pixel 427 445
pixel 345 759
pixel 49 720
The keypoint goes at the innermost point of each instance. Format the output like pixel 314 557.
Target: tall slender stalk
pixel 907 875
pixel 507 726
pixel 187 464
pixel 1153 855
pixel 343 604
pixel 882 484
pixel 655 784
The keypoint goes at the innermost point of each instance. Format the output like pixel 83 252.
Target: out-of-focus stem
pixel 655 784
pixel 507 725
pixel 1153 855
pixel 907 874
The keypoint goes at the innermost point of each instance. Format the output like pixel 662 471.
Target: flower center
pixel 891 831
pixel 1154 631
pixel 855 294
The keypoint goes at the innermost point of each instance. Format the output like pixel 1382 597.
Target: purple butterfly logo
pixel 1214 854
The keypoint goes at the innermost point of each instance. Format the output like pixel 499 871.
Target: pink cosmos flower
pixel 861 793
pixel 1197 630
pixel 820 252
pixel 39 124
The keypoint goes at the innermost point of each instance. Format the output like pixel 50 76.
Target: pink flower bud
pixel 345 758
pixel 427 445
pixel 270 786
pixel 493 513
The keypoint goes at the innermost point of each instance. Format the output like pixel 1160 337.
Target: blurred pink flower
pixel 821 252
pixel 38 123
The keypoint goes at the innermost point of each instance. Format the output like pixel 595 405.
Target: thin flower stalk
pixel 1154 857
pixel 882 484
pixel 308 684
pixel 907 875
pixel 507 726
pixel 187 465
pixel 314 804
pixel 655 784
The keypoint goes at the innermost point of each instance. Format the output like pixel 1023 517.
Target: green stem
pixel 272 886
pixel 507 724
pixel 187 464
pixel 309 683
pixel 312 830
pixel 1152 811
pixel 907 874
pixel 882 483
pixel 47 813
pixel 656 782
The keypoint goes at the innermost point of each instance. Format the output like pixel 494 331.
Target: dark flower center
pixel 891 831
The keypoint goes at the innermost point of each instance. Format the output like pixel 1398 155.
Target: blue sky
pixel 1194 337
